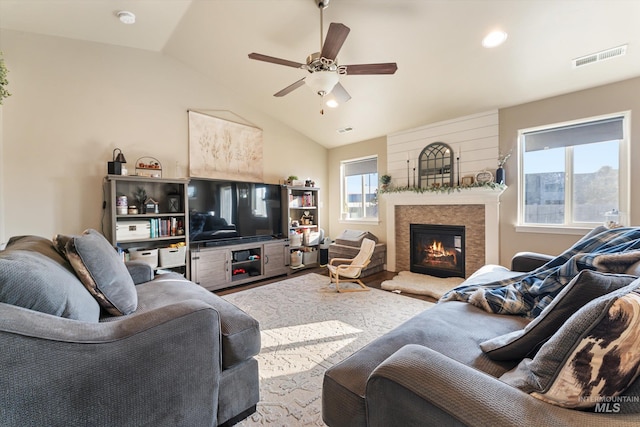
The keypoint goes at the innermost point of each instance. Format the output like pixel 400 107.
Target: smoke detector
pixel 126 17
pixel 600 56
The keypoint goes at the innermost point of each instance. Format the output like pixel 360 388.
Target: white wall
pixel 74 102
pixel 475 137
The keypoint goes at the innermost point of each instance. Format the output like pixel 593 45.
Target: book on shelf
pixel 165 227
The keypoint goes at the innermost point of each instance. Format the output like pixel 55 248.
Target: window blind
pixel 578 134
pixel 361 167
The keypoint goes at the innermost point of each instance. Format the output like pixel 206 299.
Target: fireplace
pixel 437 250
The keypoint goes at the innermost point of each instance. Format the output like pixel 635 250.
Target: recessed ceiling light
pixel 126 17
pixel 494 38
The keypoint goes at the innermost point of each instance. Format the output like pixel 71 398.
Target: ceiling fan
pixel 323 68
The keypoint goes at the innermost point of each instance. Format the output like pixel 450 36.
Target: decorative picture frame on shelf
pixel 466 181
pixel 484 177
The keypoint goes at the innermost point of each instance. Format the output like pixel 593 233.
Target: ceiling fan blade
pixel 290 88
pixel 386 68
pixel 336 36
pixel 273 60
pixel 340 93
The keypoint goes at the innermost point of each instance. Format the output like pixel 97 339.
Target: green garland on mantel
pixel 442 189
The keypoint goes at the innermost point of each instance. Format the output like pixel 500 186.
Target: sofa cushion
pixel 102 272
pixel 593 357
pixel 240 332
pixel 34 281
pixel 586 286
pixel 40 245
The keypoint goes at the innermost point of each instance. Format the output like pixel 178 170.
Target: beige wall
pixel 73 102
pixel 616 97
pixel 377 146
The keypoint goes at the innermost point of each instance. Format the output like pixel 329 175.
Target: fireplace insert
pixel 437 250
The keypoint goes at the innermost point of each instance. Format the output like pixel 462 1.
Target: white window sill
pixel 359 221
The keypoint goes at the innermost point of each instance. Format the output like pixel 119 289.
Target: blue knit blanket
pixel 611 251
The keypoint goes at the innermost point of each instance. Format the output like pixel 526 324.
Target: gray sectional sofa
pixel 88 341
pixel 457 364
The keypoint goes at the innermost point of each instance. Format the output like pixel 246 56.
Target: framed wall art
pixel 224 149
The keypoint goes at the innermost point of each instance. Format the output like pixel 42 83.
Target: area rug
pixel 307 327
pixel 421 284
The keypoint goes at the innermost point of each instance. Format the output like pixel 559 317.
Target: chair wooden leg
pixel 335 278
pixel 362 288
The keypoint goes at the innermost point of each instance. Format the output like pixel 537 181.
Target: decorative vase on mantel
pixel 500 175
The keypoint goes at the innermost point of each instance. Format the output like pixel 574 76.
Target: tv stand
pixel 234 241
pixel 218 267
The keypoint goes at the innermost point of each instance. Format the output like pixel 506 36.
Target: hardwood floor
pixel 373 281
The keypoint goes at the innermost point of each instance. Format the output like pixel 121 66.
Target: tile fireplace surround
pixel 475 208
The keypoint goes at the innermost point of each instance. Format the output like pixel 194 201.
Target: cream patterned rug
pixel 421 284
pixel 307 327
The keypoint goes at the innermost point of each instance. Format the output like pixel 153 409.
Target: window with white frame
pixel 571 174
pixel 359 189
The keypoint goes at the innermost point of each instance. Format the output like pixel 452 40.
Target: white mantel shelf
pixel 489 197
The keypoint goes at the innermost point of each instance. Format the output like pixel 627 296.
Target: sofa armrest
pixel 417 386
pixel 140 271
pixel 160 367
pixel 529 261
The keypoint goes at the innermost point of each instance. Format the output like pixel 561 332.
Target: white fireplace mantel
pixel 489 197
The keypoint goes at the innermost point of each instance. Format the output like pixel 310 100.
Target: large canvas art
pixel 224 149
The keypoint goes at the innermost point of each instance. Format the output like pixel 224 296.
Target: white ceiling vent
pixel 345 130
pixel 600 56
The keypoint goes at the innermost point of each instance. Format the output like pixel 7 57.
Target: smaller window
pixel 359 189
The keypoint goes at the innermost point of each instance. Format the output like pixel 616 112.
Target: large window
pixel 359 191
pixel 573 173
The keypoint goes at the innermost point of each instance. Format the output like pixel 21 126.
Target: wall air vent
pixel 600 56
pixel 345 130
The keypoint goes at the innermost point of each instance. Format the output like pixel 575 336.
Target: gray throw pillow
pixel 584 287
pixel 102 272
pixel 32 280
pixel 593 358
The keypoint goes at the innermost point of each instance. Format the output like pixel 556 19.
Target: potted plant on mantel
pixel 3 80
pixel 385 180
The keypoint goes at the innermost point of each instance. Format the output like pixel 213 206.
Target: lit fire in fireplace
pixel 436 253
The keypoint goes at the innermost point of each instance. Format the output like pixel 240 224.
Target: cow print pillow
pixel 593 357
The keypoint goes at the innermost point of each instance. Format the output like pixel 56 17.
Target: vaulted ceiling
pixel 443 71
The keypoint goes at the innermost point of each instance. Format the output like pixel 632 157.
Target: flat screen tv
pixel 227 212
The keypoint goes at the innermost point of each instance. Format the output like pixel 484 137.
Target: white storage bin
pixel 310 257
pixel 172 257
pixel 133 230
pixel 149 256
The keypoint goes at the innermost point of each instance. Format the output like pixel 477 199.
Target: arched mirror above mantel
pixel 435 166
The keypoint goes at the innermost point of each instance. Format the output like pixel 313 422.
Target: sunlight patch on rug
pixel 320 339
pixel 307 327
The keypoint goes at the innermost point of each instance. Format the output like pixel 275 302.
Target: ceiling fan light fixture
pixel 332 102
pixel 322 82
pixel 494 39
